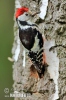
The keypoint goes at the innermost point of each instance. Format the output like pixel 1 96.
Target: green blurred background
pixel 6 41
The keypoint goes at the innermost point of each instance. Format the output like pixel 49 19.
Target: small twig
pixel 53 47
pixel 10 59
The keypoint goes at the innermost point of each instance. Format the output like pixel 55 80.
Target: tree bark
pixel 54 28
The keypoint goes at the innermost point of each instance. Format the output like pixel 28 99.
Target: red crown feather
pixel 20 11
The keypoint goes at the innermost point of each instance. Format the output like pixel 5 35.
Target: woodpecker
pixel 31 39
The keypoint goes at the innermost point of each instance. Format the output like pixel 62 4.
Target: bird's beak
pixel 33 14
pixel 30 12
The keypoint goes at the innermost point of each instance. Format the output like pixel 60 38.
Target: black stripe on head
pixel 23 23
pixel 26 23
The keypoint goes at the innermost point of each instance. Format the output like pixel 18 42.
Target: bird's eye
pixel 26 14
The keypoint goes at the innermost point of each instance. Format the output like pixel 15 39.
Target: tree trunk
pixel 53 26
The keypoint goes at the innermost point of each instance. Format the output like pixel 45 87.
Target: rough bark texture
pixel 54 28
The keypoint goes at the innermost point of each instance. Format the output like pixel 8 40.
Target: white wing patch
pixel 36 44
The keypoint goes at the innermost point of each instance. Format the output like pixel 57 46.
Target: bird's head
pixel 24 14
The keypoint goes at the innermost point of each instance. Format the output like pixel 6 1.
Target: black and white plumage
pixel 31 39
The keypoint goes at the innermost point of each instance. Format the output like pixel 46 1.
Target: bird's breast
pixel 27 38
